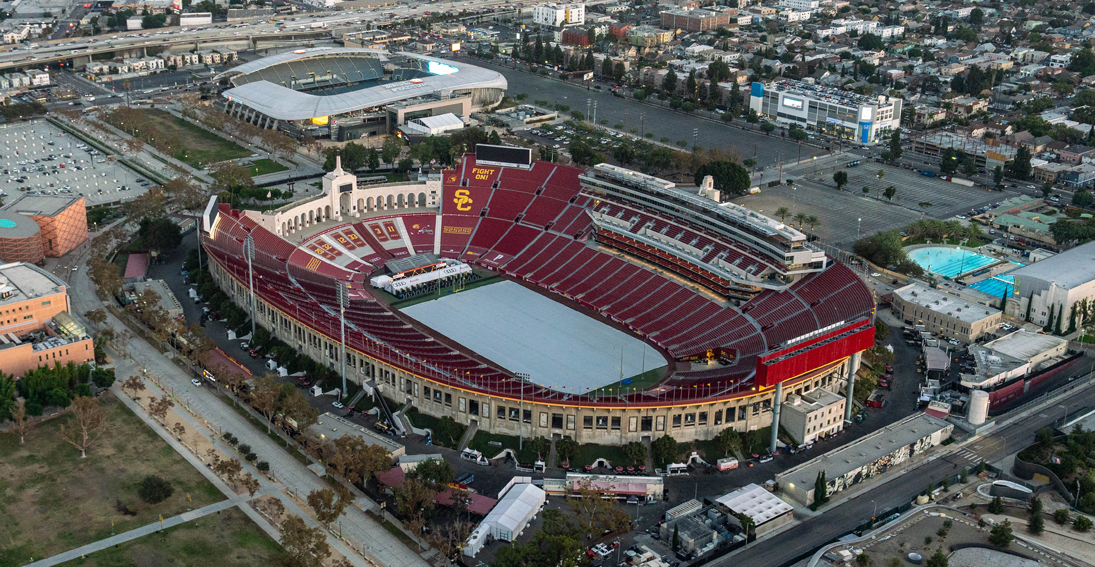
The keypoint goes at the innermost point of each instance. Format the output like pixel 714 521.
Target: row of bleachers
pixel 489 232
pixel 371 238
pixel 420 230
pixel 547 247
pixel 516 240
pixel 507 205
pixel 526 180
pixel 456 231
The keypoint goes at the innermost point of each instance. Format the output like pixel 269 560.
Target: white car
pixel 337 405
pixel 195 382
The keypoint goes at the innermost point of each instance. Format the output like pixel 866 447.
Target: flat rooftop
pixel 26 281
pixel 1025 345
pixel 869 449
pixel 1068 269
pixel 945 303
pixel 42 205
pixel 755 502
pixel 332 427
pixel 989 364
pixel 813 400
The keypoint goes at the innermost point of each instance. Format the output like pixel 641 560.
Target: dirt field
pixel 228 539
pixel 52 500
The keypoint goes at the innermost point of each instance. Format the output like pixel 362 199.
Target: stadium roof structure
pixel 283 103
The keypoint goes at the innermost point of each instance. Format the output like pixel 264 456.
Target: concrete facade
pixel 943 314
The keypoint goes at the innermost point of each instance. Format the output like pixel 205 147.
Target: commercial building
pixel 943 314
pixel 887 448
pixel 766 510
pixel 1048 291
pixel 644 488
pixel 648 36
pixel 558 15
pixel 1027 225
pixel 696 20
pixel 33 227
pixel 832 111
pixel 35 328
pixel 195 19
pixel 813 414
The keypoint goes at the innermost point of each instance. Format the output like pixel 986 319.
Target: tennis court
pixel 525 332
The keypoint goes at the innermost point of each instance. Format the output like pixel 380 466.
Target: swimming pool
pixel 949 262
pixel 996 285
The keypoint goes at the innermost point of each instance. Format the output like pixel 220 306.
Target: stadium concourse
pixel 741 306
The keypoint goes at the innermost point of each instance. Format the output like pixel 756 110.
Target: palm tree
pixel 782 213
pixel 800 218
pixel 813 222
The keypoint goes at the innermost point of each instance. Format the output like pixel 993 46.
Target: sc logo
pixel 462 200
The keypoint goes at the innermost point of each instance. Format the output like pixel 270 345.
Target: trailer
pixel 927 173
pixel 727 464
pixel 963 182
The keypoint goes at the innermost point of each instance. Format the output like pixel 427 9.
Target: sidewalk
pixel 1056 538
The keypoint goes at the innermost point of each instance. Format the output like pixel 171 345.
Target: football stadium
pixel 537 299
pixel 349 93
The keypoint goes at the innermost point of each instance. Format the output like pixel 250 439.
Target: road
pixel 811 534
pixel 662 122
pixel 358 528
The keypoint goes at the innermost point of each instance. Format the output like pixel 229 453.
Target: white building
pixel 134 23
pixel 801 5
pixel 558 15
pixel 835 112
pixel 847 25
pixel 812 415
pixel 766 510
pixel 433 125
pixel 38 78
pixel 791 16
pixel 1053 287
pixel 890 32
pixel 18 34
pixel 195 19
pixel 1060 61
pixel 509 517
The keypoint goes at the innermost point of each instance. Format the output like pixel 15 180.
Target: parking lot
pixel 40 159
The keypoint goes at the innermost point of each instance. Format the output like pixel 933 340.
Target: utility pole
pixel 588 101
pixel 695 138
pixel 594 113
pixel 642 124
pixel 521 423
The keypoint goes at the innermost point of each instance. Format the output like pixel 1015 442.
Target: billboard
pixel 503 155
pixel 795 103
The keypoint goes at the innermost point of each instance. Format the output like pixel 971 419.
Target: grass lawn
pixel 588 452
pixel 228 539
pixel 264 166
pixel 439 438
pixel 638 383
pixel 1089 339
pixel 52 500
pixel 197 145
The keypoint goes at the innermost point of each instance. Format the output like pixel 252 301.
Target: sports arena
pixel 349 93
pixel 538 299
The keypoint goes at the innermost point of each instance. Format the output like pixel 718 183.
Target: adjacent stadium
pixel 349 93
pixel 538 299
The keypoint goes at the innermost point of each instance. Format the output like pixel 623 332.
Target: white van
pixel 474 456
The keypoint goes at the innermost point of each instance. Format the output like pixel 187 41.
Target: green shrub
pixel 154 489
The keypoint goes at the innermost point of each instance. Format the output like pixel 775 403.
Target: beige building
pixel 813 414
pixel 943 314
pixel 35 328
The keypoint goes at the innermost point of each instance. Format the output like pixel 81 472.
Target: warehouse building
pixel 766 510
pixel 943 314
pixel 1047 292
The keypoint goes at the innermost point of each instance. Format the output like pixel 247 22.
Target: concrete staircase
pixel 469 434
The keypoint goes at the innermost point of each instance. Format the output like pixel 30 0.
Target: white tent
pixel 512 513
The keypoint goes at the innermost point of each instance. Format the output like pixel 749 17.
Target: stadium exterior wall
pixel 685 421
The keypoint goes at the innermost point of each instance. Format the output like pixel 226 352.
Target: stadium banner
pixel 810 355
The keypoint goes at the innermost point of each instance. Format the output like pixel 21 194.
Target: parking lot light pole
pixel 342 301
pixel 250 245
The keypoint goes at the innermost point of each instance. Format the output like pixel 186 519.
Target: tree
pixel 157 408
pixel 566 448
pixel 1019 167
pixel 977 17
pixel 813 221
pixel 841 179
pixel 494 138
pixel 727 441
pixel 89 423
pixel 593 514
pixel 821 489
pixel 265 395
pixel 357 461
pixel 132 386
pixel 895 145
pixel 782 213
pixel 1082 198
pixel 329 503
pixel 635 452
pixel 1082 523
pixel 996 506
pixel 1001 535
pixel 95 316
pixel 302 546
pixel 676 538
pixel 154 489
pixel 768 127
pixel 863 559
pixel 21 424
pixel 729 177
pixel 414 499
pixel 870 42
pixel 997 175
pixel 185 192
pixel 1036 523
pixel 938 559
pixel 438 473
pixel 1061 516
pixel 669 84
pixel 664 450
pixel 889 192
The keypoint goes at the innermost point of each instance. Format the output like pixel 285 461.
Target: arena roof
pixel 42 205
pixel 16 225
pixel 283 103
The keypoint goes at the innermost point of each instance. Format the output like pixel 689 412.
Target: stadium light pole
pixel 521 424
pixel 343 299
pixel 250 245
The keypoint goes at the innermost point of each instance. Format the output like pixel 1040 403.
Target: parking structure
pixel 38 158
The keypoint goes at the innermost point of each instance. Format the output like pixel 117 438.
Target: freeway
pixel 52 50
pixel 811 534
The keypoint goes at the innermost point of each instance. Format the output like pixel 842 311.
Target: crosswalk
pixel 968 456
